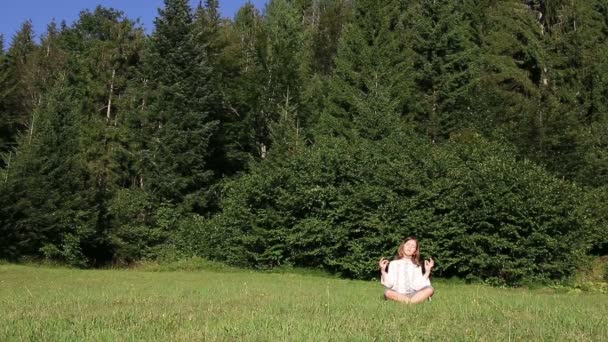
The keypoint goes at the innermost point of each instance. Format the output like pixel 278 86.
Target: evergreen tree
pixel 509 92
pixel 179 113
pixel 44 64
pixel 16 92
pixel 285 66
pixel 371 87
pixel 107 75
pixel 48 204
pixel 109 49
pixel 207 24
pixel 444 36
pixel 217 39
pixel 576 76
pixel 5 90
pixel 327 23
pixel 243 76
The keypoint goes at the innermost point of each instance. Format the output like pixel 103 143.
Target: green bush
pixel 596 212
pixel 139 226
pixel 341 205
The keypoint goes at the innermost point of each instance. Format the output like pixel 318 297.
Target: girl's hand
pixel 428 264
pixel 383 263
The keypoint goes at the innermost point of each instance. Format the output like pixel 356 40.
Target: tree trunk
pixel 110 96
pixel 263 150
pixel 8 167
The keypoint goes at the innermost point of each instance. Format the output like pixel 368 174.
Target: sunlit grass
pixel 55 304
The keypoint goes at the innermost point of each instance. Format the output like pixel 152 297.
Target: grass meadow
pixel 58 304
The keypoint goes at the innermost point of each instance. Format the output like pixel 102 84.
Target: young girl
pixel 404 280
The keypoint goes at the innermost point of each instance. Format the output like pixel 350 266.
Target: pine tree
pixel 44 64
pixel 109 47
pixel 371 87
pixel 328 22
pixel 285 66
pixel 48 205
pixel 180 111
pixel 16 92
pixel 217 39
pixel 5 90
pixel 207 24
pixel 576 76
pixel 444 36
pixel 244 96
pixel 509 92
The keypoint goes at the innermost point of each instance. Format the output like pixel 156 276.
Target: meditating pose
pixel 404 280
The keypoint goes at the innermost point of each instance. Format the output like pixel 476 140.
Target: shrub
pixel 139 226
pixel 340 205
pixel 595 211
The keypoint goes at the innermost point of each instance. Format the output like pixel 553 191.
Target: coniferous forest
pixel 312 133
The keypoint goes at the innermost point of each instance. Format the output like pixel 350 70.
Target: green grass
pixel 55 304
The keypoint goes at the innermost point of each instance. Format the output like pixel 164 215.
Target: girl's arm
pixel 428 264
pixel 385 278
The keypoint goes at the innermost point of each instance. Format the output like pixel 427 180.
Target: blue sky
pixel 14 12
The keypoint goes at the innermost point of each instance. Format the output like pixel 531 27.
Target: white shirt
pixel 404 277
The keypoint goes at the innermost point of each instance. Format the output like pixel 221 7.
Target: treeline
pixel 314 133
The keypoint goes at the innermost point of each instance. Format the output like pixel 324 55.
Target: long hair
pixel 416 256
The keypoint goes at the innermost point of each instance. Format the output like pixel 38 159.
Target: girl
pixel 404 279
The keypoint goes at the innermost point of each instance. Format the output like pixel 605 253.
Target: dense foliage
pixel 341 205
pixel 312 133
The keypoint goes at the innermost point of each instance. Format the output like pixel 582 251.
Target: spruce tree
pixel 183 97
pixel 244 96
pixel 48 203
pixel 328 21
pixel 576 76
pixel 16 92
pixel 109 47
pixel 509 91
pixel 371 88
pixel 5 87
pixel 445 39
pixel 218 40
pixel 285 66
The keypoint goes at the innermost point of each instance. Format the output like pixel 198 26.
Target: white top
pixel 404 277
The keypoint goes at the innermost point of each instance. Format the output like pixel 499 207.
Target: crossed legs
pixel 417 298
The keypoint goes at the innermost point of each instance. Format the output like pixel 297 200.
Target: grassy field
pixel 55 304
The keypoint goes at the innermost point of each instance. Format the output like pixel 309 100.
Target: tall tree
pixel 109 49
pixel 243 74
pixel 16 93
pixel 510 92
pixel 48 205
pixel 285 66
pixel 180 111
pixel 576 76
pixel 445 38
pixel 5 90
pixel 105 68
pixel 328 21
pixel 218 40
pixel 371 88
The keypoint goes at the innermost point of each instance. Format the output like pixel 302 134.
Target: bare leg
pixel 392 295
pixel 416 299
pixel 422 295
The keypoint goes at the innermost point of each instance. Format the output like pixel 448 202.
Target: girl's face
pixel 409 248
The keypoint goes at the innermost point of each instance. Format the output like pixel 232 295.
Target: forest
pixel 314 134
